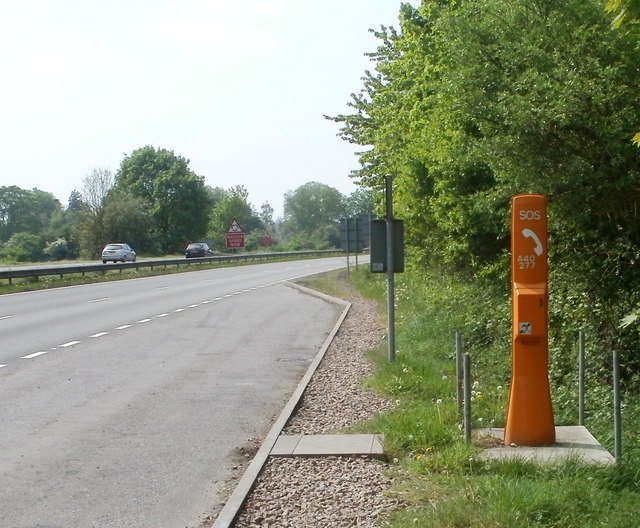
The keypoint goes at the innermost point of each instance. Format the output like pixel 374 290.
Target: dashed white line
pixel 162 315
pixel 70 343
pixel 144 320
pixel 35 354
pixel 5 317
pixel 99 334
pixel 2 366
pixel 123 327
pixel 179 310
pixel 101 299
pixel 193 306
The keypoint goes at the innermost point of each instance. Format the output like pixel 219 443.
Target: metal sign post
pixel 391 310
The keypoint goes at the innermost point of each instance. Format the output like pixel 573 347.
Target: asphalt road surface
pixel 124 404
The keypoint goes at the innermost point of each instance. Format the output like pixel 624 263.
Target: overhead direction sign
pixel 235 235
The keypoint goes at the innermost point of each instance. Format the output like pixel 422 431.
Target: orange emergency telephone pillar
pixel 530 414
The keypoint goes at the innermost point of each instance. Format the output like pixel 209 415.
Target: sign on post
pixel 235 235
pixel 530 414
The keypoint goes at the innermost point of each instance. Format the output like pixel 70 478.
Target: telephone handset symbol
pixel 528 233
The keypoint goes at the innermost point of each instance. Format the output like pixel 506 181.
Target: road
pixel 124 404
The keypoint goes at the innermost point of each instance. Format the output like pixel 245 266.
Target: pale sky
pixel 238 87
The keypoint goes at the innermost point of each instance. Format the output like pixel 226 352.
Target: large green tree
pixel 233 204
pixel 25 211
pixel 311 215
pixel 472 102
pixel 172 193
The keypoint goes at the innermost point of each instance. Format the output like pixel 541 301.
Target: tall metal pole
pixel 391 331
pixel 346 242
pixel 355 221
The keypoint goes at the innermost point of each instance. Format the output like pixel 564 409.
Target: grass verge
pixel 442 482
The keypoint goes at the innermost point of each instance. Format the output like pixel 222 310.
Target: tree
pixel 473 102
pixel 171 192
pixel 311 215
pixel 233 205
pixel 96 187
pixel 25 211
pixel 127 220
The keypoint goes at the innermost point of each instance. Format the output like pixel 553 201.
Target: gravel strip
pixel 329 491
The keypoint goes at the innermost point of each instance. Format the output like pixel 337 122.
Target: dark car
pixel 198 249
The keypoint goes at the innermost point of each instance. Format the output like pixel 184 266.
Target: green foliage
pixel 127 220
pixel 58 249
pixel 24 211
pixel 443 482
pixel 174 196
pixel 233 204
pixel 23 247
pixel 473 102
pixel 311 216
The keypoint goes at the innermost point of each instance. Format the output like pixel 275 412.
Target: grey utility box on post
pixel 378 233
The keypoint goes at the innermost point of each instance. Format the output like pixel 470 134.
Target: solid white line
pixel 70 343
pixel 35 354
pixel 123 327
pixel 144 320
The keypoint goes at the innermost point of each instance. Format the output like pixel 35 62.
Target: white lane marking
pixel 101 299
pixel 162 288
pixel 206 302
pixel 218 298
pixel 123 327
pixel 35 354
pixel 162 315
pixel 2 366
pixel 70 343
pixel 179 310
pixel 193 306
pixel 228 295
pixel 99 334
pixel 144 320
pixel 5 317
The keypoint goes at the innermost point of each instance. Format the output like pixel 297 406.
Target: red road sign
pixel 235 235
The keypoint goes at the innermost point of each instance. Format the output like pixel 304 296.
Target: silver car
pixel 118 253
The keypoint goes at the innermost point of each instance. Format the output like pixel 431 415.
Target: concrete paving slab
pixel 571 441
pixel 329 445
